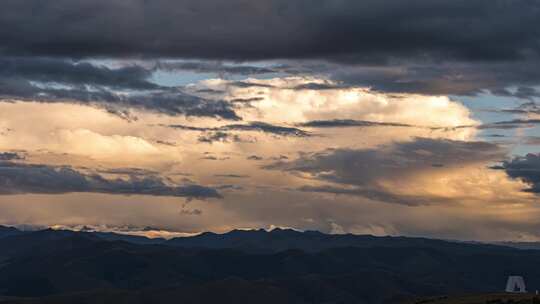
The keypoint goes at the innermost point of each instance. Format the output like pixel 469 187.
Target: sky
pixel 171 118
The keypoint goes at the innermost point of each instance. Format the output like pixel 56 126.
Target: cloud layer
pixel 345 29
pixel 19 178
pixel 526 168
pixel 117 89
pixel 366 172
pixel 337 115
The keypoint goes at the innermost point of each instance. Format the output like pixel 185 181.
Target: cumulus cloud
pixel 341 105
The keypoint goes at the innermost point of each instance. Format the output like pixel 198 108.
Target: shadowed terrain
pixel 280 266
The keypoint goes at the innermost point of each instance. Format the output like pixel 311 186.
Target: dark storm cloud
pixel 245 100
pixel 350 30
pixel 219 136
pixel 344 123
pixel 248 84
pixel 507 124
pixel 435 77
pixel 116 90
pixel 269 128
pixel 525 108
pixel 252 126
pixel 210 91
pixel 231 176
pixel 68 72
pixel 170 102
pixel 525 168
pixel 166 143
pixel 520 92
pixel 18 178
pixel 194 212
pixel 362 170
pixel 4 156
pixel 315 86
pixel 511 124
pixel 128 171
pixel 443 47
pixel 502 125
pixel 214 67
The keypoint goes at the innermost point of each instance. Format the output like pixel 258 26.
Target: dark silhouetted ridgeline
pixel 281 266
pixel 495 298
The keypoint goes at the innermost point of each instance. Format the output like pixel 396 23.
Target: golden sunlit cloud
pixel 233 157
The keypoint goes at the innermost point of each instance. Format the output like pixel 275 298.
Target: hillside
pixel 292 267
pixel 496 298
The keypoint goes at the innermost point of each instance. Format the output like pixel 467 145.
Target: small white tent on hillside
pixel 515 284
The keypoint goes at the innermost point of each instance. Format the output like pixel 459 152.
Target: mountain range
pixel 249 266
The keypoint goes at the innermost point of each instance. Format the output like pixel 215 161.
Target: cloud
pixel 342 106
pixel 231 175
pixel 505 124
pixel 366 172
pixel 511 124
pixel 374 194
pixel 99 146
pixel 70 72
pixel 219 136
pixel 115 89
pixel 18 178
pixel 170 102
pixel 446 47
pixel 216 67
pixel 353 30
pixel 521 92
pixel 128 171
pixel 211 157
pixel 319 86
pixel 531 140
pixel 441 77
pixel 526 169
pixel 10 156
pixel 344 123
pixel 249 84
pixel 255 126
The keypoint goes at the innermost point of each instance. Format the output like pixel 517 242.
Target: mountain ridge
pixel 59 266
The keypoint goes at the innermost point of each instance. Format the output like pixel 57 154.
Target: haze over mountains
pixel 280 266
